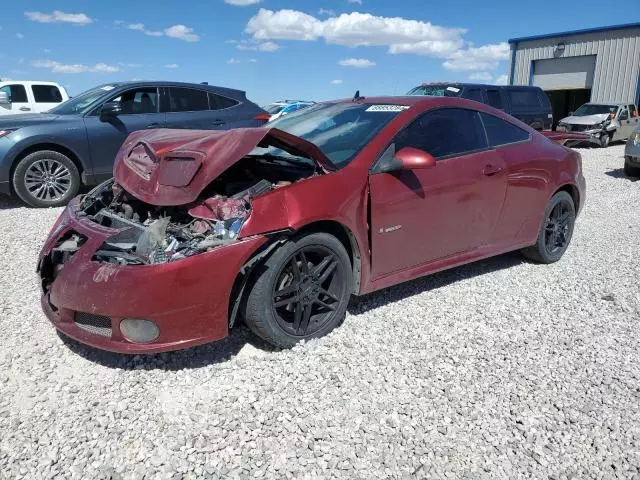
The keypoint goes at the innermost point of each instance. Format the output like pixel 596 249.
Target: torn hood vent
pixel 168 167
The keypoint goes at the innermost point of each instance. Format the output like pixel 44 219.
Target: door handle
pixel 217 123
pixel 490 170
pixel 25 109
pixel 153 125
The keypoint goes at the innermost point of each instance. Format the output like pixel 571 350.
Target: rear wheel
pixel 631 170
pixel 556 230
pixel 302 292
pixel 46 179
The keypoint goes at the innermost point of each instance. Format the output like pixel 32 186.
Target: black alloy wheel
pixel 302 291
pixel 556 231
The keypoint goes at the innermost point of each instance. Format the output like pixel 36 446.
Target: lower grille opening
pixel 95 324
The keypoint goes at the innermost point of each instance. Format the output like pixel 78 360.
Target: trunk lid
pixel 167 167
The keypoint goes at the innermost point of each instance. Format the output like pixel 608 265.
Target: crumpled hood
pixel 167 167
pixel 587 120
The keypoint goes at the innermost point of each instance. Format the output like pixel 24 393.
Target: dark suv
pixel 45 157
pixel 528 104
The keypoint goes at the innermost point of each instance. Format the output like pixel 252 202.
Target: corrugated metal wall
pixel 617 63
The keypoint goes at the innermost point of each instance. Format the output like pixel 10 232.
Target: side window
pixel 138 101
pixel 500 132
pixel 623 114
pixel 46 94
pixel 523 99
pixel 218 102
pixel 473 94
pixel 187 100
pixel 444 132
pixel 633 111
pixel 494 99
pixel 16 93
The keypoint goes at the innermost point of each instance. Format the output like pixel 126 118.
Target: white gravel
pixel 500 369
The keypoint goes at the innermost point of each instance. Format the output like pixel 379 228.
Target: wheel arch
pixel 246 274
pixel 571 190
pixel 55 147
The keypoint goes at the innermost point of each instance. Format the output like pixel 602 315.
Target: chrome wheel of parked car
pixel 302 293
pixel 46 179
pixel 556 232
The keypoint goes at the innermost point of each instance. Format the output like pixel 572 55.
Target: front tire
pixel 630 170
pixel 46 179
pixel 556 230
pixel 301 292
pixel 605 140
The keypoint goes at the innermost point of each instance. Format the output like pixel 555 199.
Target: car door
pixel 18 100
pixel 139 111
pixel 197 109
pixel 626 125
pixel 421 216
pixel 45 97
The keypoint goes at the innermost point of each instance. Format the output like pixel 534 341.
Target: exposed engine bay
pixel 153 234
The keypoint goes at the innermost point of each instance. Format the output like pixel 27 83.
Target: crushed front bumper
pixel 188 299
pixel 595 135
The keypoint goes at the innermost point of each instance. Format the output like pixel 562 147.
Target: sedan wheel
pixel 46 179
pixel 302 293
pixel 556 232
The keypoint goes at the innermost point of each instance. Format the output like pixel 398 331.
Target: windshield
pixel 81 102
pixel 273 109
pixel 340 130
pixel 591 109
pixel 436 91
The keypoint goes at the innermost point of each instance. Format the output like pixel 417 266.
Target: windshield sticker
pixel 387 108
pixel 453 89
pixel 108 87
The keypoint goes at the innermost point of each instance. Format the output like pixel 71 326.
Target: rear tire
pixel 46 179
pixel 556 230
pixel 301 292
pixel 630 170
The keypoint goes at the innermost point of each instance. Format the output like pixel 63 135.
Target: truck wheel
pixel 46 179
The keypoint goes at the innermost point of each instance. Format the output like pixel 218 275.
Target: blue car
pixel 46 157
pixel 284 107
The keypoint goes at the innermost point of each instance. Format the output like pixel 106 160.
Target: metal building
pixel 598 64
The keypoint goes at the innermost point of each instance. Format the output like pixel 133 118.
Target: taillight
pixel 263 116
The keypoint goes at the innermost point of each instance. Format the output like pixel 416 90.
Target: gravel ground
pixel 500 369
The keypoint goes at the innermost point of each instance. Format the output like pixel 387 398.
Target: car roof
pixel 164 83
pixel 483 85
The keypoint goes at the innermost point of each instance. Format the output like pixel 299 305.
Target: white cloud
pixel 20 36
pixel 242 3
pixel 359 2
pixel 357 63
pixel 182 32
pixel 57 67
pixel 502 80
pixel 59 17
pixel 253 60
pixel 335 82
pixel 327 11
pixel 46 50
pixel 130 65
pixel 233 61
pixel 354 29
pixel 481 77
pixel 171 65
pixel 428 48
pixel 486 57
pixel 256 45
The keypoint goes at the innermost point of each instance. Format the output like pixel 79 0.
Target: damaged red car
pixel 280 226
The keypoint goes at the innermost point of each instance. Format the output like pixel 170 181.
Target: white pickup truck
pixel 29 97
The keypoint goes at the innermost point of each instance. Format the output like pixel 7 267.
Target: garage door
pixel 564 73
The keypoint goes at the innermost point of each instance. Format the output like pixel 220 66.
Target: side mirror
pixel 413 158
pixel 407 158
pixel 4 99
pixel 110 110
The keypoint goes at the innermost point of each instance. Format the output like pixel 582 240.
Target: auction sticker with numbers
pixel 387 108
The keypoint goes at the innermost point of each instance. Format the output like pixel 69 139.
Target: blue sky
pixel 273 49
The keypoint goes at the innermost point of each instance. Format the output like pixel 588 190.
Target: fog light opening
pixel 136 330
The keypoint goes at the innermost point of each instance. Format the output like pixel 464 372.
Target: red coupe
pixel 280 226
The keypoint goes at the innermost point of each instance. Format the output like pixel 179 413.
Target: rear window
pixel 46 94
pixel 218 102
pixel 523 99
pixel 500 132
pixel 188 100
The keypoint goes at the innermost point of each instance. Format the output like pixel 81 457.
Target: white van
pixel 29 97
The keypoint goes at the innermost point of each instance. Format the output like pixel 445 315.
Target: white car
pixel 284 107
pixel 29 97
pixel 603 122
